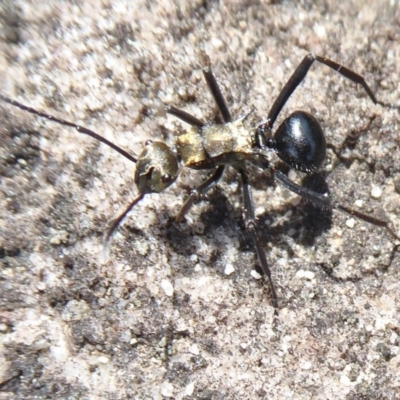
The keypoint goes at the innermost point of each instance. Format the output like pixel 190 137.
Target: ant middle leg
pixel 184 116
pixel 251 225
pixel 216 93
pixel 215 90
pixel 191 120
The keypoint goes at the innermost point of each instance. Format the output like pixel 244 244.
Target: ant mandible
pixel 299 142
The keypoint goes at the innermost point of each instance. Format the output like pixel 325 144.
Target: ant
pixel 299 142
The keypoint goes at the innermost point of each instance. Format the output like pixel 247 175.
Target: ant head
pixel 156 168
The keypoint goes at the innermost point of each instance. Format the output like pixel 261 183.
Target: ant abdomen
pixel 300 142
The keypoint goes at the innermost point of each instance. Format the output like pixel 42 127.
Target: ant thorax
pixel 217 144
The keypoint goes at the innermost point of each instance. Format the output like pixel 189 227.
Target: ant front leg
pixel 193 121
pixel 200 191
pixel 251 225
pixel 298 76
pixel 213 179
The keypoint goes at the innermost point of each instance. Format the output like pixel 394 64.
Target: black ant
pixel 299 142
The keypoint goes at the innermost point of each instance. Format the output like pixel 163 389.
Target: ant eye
pixel 166 178
pixel 148 142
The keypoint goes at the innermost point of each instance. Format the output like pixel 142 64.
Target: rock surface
pixel 176 311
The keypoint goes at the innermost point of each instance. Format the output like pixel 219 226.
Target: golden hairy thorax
pixel 214 145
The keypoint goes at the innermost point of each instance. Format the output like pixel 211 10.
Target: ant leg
pixel 250 224
pixel 308 194
pixel 184 116
pixel 319 199
pixel 211 181
pixel 199 191
pixel 60 121
pixel 216 91
pixel 324 202
pixel 217 95
pixel 191 120
pixel 367 218
pixel 297 77
pixel 188 118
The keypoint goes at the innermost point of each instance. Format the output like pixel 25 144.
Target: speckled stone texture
pixel 176 312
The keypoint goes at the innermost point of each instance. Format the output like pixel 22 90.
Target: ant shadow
pixel 308 220
pixel 305 225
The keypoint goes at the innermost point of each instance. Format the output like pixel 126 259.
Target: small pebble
pixel 305 365
pixel 217 43
pixel 167 287
pixel 359 203
pixel 41 286
pixel 103 360
pixel 167 389
pixel 255 274
pixel 193 258
pixel 194 349
pixel 189 389
pixel 229 269
pixel 302 274
pixel 376 192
